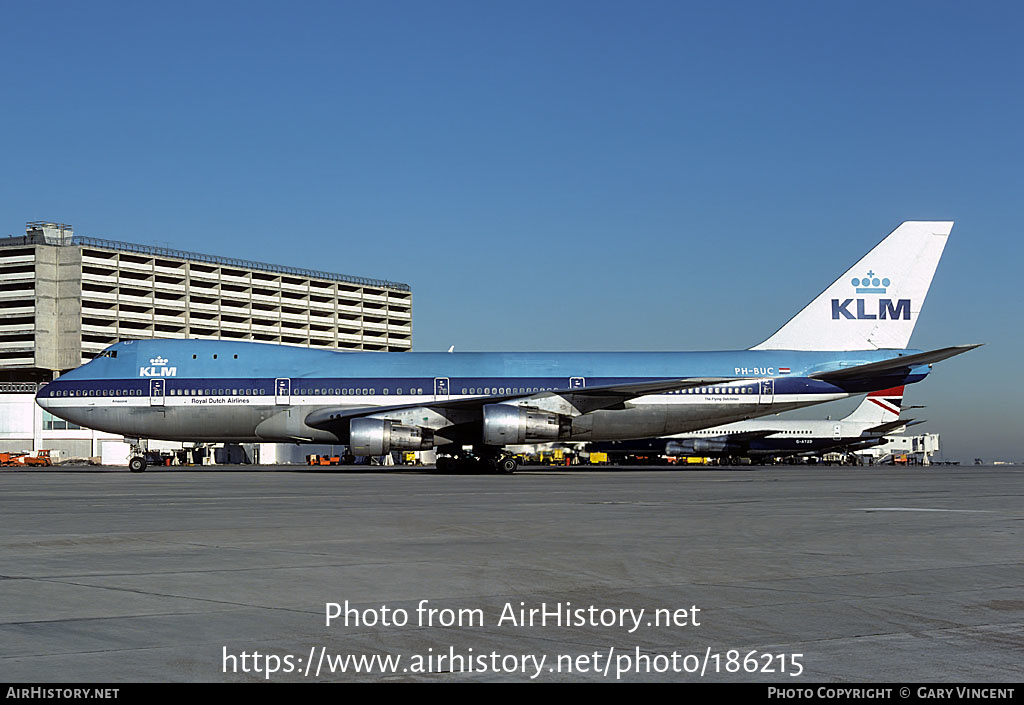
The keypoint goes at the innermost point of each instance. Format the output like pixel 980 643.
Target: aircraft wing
pixel 895 364
pixel 572 402
pixel 863 443
pixel 583 400
pixel 890 426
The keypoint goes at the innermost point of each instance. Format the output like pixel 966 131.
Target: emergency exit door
pixel 442 388
pixel 283 391
pixel 156 391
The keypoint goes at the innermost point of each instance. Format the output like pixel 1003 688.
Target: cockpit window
pixel 108 353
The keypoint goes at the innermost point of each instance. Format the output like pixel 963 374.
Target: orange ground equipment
pixel 41 459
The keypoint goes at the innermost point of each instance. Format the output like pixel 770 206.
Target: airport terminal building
pixel 64 298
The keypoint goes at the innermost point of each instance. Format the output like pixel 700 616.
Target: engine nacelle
pixel 695 446
pixel 380 436
pixel 510 425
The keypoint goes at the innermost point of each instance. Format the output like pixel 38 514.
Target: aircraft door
pixel 577 382
pixel 283 391
pixel 156 392
pixel 441 388
pixel 766 391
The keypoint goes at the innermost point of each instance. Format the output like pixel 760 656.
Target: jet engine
pixel 509 425
pixel 380 436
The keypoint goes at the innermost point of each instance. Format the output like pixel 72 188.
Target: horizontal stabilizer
pixel 890 426
pixel 904 362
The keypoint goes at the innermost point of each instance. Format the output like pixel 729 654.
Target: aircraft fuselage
pixel 194 390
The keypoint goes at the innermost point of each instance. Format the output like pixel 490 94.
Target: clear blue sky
pixel 552 175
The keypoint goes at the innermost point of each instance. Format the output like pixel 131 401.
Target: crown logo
pixel 158 360
pixel 870 284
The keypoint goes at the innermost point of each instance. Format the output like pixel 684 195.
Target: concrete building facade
pixel 64 298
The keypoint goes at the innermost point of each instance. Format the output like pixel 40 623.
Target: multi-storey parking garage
pixel 64 298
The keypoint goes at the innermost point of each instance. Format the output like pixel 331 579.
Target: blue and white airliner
pixel 851 339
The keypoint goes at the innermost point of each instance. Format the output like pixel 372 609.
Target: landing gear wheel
pixel 137 464
pixel 507 466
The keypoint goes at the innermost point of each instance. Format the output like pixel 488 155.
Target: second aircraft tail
pixel 879 407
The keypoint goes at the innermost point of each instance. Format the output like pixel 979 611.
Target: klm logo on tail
pixel 887 310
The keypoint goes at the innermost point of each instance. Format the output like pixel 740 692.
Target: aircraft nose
pixel 43 397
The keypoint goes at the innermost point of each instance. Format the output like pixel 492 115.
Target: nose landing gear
pixel 137 454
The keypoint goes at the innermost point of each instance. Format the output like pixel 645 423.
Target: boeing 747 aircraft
pixel 868 425
pixel 851 339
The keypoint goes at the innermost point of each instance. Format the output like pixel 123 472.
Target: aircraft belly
pixel 234 423
pixel 644 421
pixel 171 423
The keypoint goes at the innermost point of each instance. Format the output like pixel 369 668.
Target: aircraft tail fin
pixel 879 407
pixel 876 303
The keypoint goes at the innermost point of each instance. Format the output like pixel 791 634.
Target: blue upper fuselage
pixel 177 360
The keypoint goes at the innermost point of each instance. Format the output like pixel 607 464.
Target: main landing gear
pixel 481 460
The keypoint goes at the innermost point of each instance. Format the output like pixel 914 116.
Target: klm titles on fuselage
pixel 158 368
